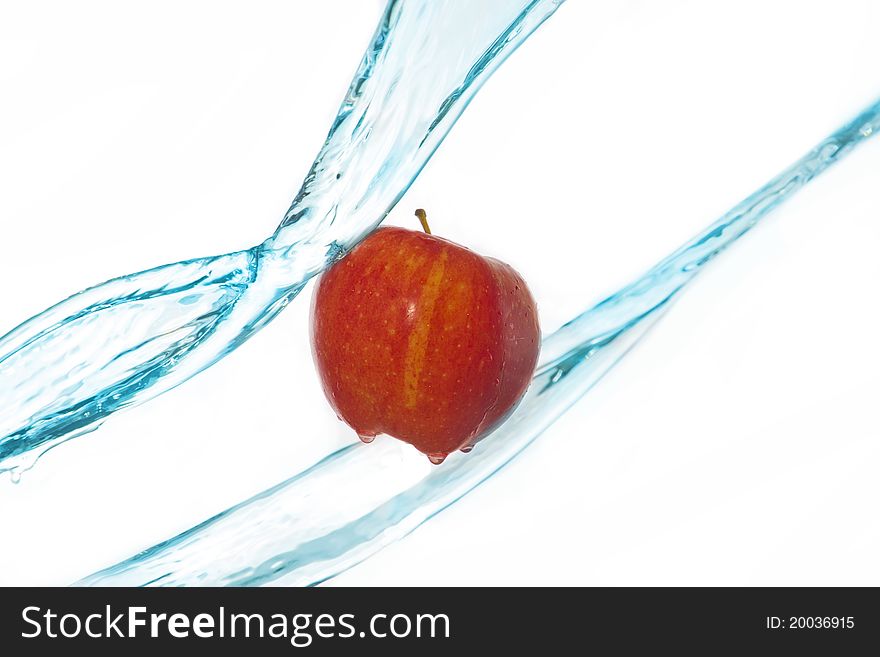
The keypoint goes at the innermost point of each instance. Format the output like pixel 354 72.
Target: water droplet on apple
pixel 467 448
pixel 367 437
pixel 436 459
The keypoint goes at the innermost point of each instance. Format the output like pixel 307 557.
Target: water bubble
pixel 15 476
pixel 436 459
pixel 467 448
pixel 867 130
pixel 367 438
pixel 828 151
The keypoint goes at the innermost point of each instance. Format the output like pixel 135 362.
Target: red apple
pixel 422 339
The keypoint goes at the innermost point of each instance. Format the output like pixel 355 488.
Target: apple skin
pixel 419 338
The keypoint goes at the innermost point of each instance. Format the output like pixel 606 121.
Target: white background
pixel 738 444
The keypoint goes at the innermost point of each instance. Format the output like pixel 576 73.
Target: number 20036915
pixel 810 623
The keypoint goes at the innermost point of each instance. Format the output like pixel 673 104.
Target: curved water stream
pixel 123 342
pixel 308 528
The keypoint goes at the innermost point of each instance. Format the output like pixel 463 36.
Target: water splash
pixel 302 531
pixel 119 344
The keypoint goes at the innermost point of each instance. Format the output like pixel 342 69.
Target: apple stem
pixel 423 218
